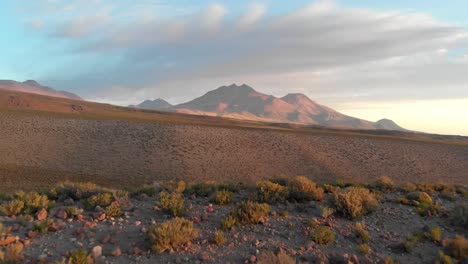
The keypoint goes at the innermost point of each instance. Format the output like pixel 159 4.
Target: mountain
pixel 156 104
pixel 243 102
pixel 34 87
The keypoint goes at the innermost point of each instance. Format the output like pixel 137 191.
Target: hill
pixel 156 104
pixel 34 87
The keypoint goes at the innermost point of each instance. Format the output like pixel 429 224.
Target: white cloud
pixel 252 16
pixel 83 26
pixel 212 18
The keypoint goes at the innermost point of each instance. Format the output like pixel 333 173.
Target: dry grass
pixel 269 257
pixel 323 235
pixel 301 188
pixel 223 197
pixel 172 202
pixel 270 192
pixel 353 202
pixel 172 234
pixel 249 212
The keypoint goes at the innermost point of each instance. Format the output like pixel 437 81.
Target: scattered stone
pixel 5 241
pixel 99 216
pixel 61 213
pixel 41 214
pixel 96 252
pixel 89 224
pixel 32 234
pixel 116 252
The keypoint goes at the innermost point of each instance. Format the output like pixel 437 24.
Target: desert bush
pixel 172 234
pixel 100 199
pixel 361 232
pixel 435 234
pixel 270 192
pixel 326 212
pixel 365 249
pixel 34 201
pixel 412 240
pixel 43 226
pixel 353 202
pixel 201 189
pixel 329 188
pixel 313 223
pixel 172 202
pixel 428 209
pixel 121 196
pixel 269 257
pixel 114 210
pixel 79 256
pixel 459 215
pixel 303 189
pixel 323 235
pixel 175 186
pixel 444 259
pixel 458 247
pixel 384 183
pixel 73 211
pixel 12 208
pixel 421 197
pixel 249 212
pixel 223 197
pixel 229 222
pixel 13 254
pixel 4 230
pixel 389 260
pixel 219 238
pixel 409 187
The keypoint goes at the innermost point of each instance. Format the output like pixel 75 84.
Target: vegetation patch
pixel 324 235
pixel 172 202
pixel 303 189
pixel 353 202
pixel 172 234
pixel 270 192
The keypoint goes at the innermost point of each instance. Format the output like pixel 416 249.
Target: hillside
pixel 34 87
pixel 45 140
pixel 156 104
pixel 243 102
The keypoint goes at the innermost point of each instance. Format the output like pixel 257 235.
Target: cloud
pixel 325 50
pixel 82 26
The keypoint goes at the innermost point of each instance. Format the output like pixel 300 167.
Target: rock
pixel 61 213
pixel 89 224
pixel 5 241
pixel 99 216
pixel 116 252
pixel 206 257
pixel 253 259
pixel 26 242
pixel 196 219
pixel 80 217
pixel 41 214
pixel 96 252
pixel 32 234
pixel 57 225
pixel 137 251
pixel 137 223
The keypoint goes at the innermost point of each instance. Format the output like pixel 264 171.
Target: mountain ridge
pixel 31 86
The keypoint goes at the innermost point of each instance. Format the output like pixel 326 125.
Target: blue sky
pixel 373 59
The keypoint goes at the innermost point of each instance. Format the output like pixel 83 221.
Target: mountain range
pixel 34 87
pixel 244 102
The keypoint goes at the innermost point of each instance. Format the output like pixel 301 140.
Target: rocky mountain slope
pixel 157 104
pixel 243 102
pixel 34 87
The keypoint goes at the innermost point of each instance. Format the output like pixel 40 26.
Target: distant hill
pixel 34 87
pixel 243 102
pixel 156 104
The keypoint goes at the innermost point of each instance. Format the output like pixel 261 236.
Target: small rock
pixel 137 251
pixel 32 234
pixel 253 259
pixel 96 252
pixel 137 223
pixel 116 252
pixel 8 240
pixel 61 213
pixel 41 214
pixel 89 224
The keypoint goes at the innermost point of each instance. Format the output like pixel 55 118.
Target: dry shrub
pixel 12 208
pixel 34 201
pixel 219 238
pixel 365 249
pixel 79 256
pixel 384 183
pixel 458 247
pixel 409 187
pixel 326 212
pixel 176 187
pixel 114 210
pixel 269 257
pixel 229 222
pixel 100 199
pixel 444 259
pixel 412 240
pixel 324 235
pixel 4 231
pixel 361 232
pixel 172 234
pixel 353 202
pixel 80 190
pixel 303 189
pixel 249 212
pixel 435 234
pixel 201 189
pixel 13 254
pixel 172 202
pixel 223 197
pixel 270 192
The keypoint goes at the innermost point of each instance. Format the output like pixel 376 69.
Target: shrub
pixel 448 193
pixel 100 199
pixel 326 212
pixel 329 188
pixel 303 189
pixel 389 260
pixel 4 230
pixel 353 202
pixel 428 209
pixel 384 183
pixel 13 254
pixel 34 201
pixel 249 212
pixel 229 222
pixel 172 234
pixel 223 197
pixel 148 190
pixel 175 187
pixel 12 208
pixel 172 203
pixel 361 232
pixel 365 249
pixel 219 238
pixel 313 224
pixel 269 257
pixel 324 235
pixel 412 240
pixel 270 192
pixel 435 234
pixel 458 247
pixel 444 259
pixel 201 189
pixel 409 187
pixel 114 210
pixel 79 256
pixel 43 226
pixel 73 211
pixel 284 213
pixel 80 190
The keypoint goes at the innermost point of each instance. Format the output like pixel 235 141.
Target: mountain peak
pixel 242 87
pixel 155 104
pixel 32 83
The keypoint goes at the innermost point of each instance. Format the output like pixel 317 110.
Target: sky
pixel 406 60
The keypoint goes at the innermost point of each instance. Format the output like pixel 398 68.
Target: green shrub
pixel 361 232
pixel 172 234
pixel 100 199
pixel 223 197
pixel 43 226
pixel 79 256
pixel 219 238
pixel 270 192
pixel 412 240
pixel 249 212
pixel 353 202
pixel 435 234
pixel 303 189
pixel 444 259
pixel 114 210
pixel 229 222
pixel 324 235
pixel 73 211
pixel 458 247
pixel 172 202
pixel 34 201
pixel 12 208
pixel 269 257
pixel 365 249
pixel 384 183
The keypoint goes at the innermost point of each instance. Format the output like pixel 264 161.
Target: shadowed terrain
pixel 112 145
